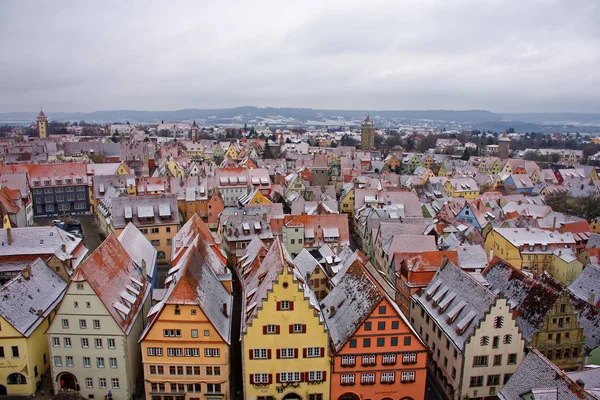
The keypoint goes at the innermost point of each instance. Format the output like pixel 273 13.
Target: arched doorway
pixel 292 396
pixel 3 391
pixel 349 396
pixel 67 381
pixel 16 379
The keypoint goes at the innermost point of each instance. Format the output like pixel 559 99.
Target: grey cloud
pixel 501 55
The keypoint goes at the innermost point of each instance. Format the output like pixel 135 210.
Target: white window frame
pixel 312 352
pixel 408 376
pixel 388 377
pixel 55 342
pixel 297 328
pixel 58 361
pixel 284 305
pixel 87 362
pixel 67 341
pixel 409 357
pixel 98 343
pixel 100 362
pixel 112 362
pixel 260 354
pixel 89 383
pixel 271 328
pixel 348 360
pixel 367 377
pixel 286 377
pixel 96 323
pixel 347 379
pixel 82 324
pixel 261 377
pixel 287 352
pixel 111 343
pixel 389 358
pixel 115 383
pixel 102 383
pixel 315 376
pixel 69 361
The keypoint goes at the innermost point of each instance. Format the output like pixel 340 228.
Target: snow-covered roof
pixel 138 247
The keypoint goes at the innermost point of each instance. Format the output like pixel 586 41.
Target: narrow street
pixel 237 382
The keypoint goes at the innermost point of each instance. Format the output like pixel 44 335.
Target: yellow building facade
pixel 284 339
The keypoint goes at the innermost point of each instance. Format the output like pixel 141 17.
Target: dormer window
pixel 46 182
pixel 79 180
pixel 68 181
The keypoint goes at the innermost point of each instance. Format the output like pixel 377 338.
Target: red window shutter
pixel 304 352
pixel 322 351
pixel 303 328
pixel 295 353
pixel 264 329
pixel 269 354
pixel 278 377
pixel 291 328
pixel 251 354
pixel 270 378
pixel 278 305
pixel 291 306
pixel 278 353
pixel 324 376
pixel 252 379
pixel 277 329
pixel 302 376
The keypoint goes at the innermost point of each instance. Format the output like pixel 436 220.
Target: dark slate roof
pixel 536 372
pixel 529 298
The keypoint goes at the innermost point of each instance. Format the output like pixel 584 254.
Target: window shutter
pixel 278 377
pixel 277 329
pixel 278 305
pixel 264 329
pixel 278 353
pixel 303 377
pixel 291 328
pixel 295 353
pixel 251 354
pixel 270 378
pixel 322 351
pixel 269 354
pixel 252 379
pixel 303 328
pixel 304 352
pixel 324 376
pixel 291 306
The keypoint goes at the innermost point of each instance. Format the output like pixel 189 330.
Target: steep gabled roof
pixel 349 303
pixel 138 247
pixel 536 372
pixel 109 270
pixel 26 301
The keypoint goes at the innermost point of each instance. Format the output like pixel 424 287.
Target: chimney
pixel 592 297
pixel 444 260
pixel 9 236
pixel 64 247
pixel 331 311
pixel 581 383
pixel 26 272
pixel 144 272
pixel 554 222
pixel 225 310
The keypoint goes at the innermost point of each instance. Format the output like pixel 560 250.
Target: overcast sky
pixel 499 55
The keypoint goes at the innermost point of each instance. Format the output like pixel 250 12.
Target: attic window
pixel 498 322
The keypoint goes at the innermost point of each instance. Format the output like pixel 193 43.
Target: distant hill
pixel 461 119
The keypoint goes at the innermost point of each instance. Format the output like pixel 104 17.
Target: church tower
pixel 194 131
pixel 367 134
pixel 42 125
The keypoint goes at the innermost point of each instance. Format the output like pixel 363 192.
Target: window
pixel 498 322
pixel 315 376
pixel 112 361
pixel 352 343
pixel 155 351
pixel 194 333
pixel 102 383
pixel 213 388
pixel 313 352
pixel 57 361
pixel 15 351
pixel 498 359
pixel 111 343
pixel 476 381
pixel 298 328
pixel 347 379
pixel 367 326
pixel 389 359
pixel 88 305
pixel 493 380
pixel 484 341
pixel 271 329
pixel 480 361
pixel 211 352
pixel 75 304
pixel 367 378
pixel 287 353
pixel 86 362
pixel 69 361
pixel 115 383
pixel 284 305
pixel 381 326
pixel 82 324
pixel 56 342
pixel 380 342
pixel 348 361
pixel 89 383
pixel 259 378
pixel 382 309
pixel 96 324
pixel 98 343
pixel 172 332
pixel 260 354
pixel 213 371
pixel 366 342
pixel 65 323
pixel 409 358
pixel 496 342
pixel 407 340
pixel 394 341
pixel 388 377
pixel 85 343
pixel 368 359
pixel 67 341
pixel 512 358
pixel 100 362
pixel 506 378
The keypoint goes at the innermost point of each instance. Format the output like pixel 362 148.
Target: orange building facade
pixel 376 353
